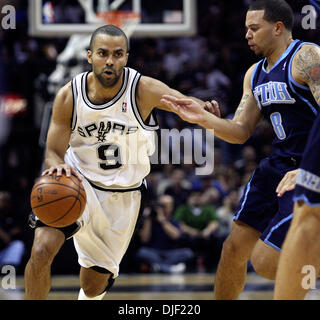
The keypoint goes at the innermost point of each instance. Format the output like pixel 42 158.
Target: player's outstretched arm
pixel 306 69
pixel 237 130
pixel 59 134
pixel 150 92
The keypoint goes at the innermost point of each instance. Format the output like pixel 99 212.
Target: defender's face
pixel 259 33
pixel 108 58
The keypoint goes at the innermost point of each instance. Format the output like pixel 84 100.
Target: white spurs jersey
pixel 110 144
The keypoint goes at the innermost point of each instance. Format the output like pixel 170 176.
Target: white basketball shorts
pixel 107 225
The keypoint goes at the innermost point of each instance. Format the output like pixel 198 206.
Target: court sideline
pixel 189 286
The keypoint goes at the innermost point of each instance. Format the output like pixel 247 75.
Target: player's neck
pixel 98 93
pixel 277 52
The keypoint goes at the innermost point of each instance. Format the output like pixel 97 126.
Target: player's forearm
pixel 225 129
pixel 201 102
pixel 53 158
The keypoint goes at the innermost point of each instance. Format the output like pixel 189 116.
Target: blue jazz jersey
pixel 308 178
pixel 288 105
pixel 291 109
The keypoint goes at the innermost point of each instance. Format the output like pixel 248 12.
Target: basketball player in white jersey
pixel 102 131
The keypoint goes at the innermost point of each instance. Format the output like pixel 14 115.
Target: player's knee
pixel 93 289
pixel 41 255
pixel 231 250
pixel 43 252
pixel 47 244
pixel 264 266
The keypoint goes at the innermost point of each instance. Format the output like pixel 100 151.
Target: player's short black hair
pixel 275 10
pixel 111 30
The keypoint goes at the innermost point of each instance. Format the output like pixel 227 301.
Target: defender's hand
pixel 187 109
pixel 213 107
pixel 287 183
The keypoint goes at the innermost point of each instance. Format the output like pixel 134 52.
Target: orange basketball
pixel 58 201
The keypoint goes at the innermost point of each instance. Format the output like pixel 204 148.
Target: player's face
pixel 259 33
pixel 108 58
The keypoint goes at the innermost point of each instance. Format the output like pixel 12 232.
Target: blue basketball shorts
pixel 308 178
pixel 261 208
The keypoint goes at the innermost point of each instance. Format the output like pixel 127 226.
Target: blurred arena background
pixel 197 47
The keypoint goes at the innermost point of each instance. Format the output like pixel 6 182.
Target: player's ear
pixel 278 28
pixel 127 57
pixel 89 56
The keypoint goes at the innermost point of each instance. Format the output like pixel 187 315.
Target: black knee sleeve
pixel 105 271
pixel 68 231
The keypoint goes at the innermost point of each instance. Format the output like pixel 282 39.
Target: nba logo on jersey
pixel 124 107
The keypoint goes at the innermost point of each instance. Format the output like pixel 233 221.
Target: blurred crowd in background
pixel 187 216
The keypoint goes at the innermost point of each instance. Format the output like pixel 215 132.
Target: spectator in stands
pixel 11 246
pixel 174 60
pixel 179 187
pixel 226 211
pixel 160 235
pixel 199 224
pixel 249 158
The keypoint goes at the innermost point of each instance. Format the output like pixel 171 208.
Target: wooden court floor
pixel 189 286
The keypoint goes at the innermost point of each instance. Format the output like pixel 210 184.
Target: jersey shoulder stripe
pixel 153 124
pixel 74 108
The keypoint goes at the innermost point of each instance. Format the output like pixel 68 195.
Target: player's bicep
pixel 58 138
pixel 152 92
pixel 60 129
pixel 306 69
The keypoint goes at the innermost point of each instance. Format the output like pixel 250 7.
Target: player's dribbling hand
pixel 62 168
pixel 287 183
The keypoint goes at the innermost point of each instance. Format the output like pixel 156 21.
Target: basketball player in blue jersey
pixel 283 87
pixel 302 244
pixel 102 130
